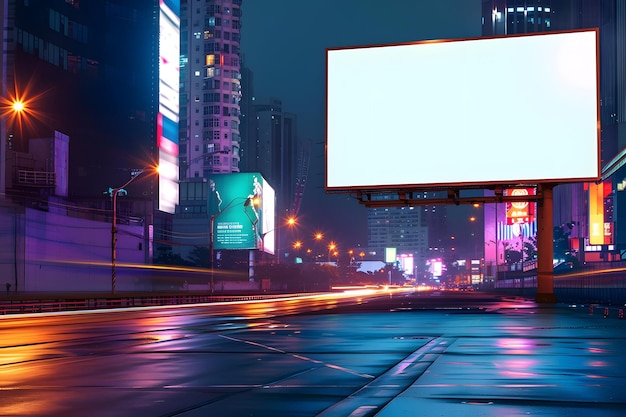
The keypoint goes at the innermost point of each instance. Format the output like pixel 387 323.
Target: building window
pixel 212 97
pixel 211 47
pixel 212 72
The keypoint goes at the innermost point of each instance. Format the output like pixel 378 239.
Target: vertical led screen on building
pixel 241 206
pixel 167 118
pixel 600 231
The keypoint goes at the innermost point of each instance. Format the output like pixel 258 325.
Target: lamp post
pixel 113 192
pixel 331 247
pixel 290 223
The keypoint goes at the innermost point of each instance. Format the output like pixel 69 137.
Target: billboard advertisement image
pixel 242 209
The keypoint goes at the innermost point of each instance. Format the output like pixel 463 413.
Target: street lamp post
pixel 113 192
pixel 11 111
pixel 331 247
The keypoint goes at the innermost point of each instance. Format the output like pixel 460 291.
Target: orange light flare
pixel 19 110
pixel 297 245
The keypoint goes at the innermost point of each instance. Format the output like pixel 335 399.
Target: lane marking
pixel 301 357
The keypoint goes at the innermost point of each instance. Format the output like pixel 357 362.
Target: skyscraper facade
pixel 210 88
pixel 501 17
pixel 89 71
pixel 274 150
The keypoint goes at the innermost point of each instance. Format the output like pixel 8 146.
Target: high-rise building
pixel 87 70
pixel 210 87
pixel 274 150
pixel 503 17
pixel 418 231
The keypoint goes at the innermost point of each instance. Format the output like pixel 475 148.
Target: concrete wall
pixel 41 252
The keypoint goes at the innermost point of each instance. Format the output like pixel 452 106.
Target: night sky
pixel 284 44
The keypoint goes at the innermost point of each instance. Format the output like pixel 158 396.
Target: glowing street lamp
pixel 290 223
pixel 331 248
pixel 113 193
pixel 18 106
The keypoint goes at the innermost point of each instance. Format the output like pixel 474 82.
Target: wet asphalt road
pixel 406 354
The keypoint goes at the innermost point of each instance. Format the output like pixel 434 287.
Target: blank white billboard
pixel 505 110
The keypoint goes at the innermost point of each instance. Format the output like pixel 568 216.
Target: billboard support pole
pixel 251 265
pixel 545 249
pixel 212 244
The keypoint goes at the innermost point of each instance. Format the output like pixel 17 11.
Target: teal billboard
pixel 241 208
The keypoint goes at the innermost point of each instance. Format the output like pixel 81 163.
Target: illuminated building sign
pixel 522 211
pixel 167 118
pixel 390 255
pixel 600 231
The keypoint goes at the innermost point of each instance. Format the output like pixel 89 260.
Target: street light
pixel 113 193
pixel 331 247
pixel 290 222
pixel 18 106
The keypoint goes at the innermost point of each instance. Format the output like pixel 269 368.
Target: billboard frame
pixel 365 191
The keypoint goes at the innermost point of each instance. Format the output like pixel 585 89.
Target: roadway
pixel 349 354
